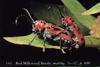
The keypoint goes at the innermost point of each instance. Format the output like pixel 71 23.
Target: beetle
pixel 73 27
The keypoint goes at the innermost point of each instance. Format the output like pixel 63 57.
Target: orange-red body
pixel 69 22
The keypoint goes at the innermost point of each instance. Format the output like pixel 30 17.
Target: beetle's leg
pixel 61 47
pixel 33 38
pixel 44 36
pixel 63 51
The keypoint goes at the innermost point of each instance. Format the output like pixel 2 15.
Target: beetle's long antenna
pixel 29 14
pixel 16 20
pixel 61 10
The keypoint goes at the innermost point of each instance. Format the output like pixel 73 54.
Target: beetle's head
pixel 67 20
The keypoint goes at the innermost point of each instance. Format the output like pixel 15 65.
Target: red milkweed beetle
pixel 42 28
pixel 72 26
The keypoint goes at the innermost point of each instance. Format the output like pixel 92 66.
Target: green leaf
pixel 92 10
pixel 92 41
pixel 25 40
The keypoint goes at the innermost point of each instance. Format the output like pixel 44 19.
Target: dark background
pixel 13 52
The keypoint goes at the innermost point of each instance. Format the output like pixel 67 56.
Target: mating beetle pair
pixel 47 30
